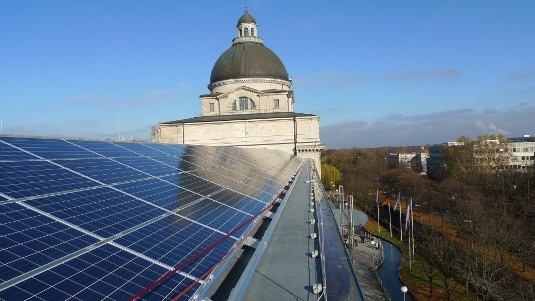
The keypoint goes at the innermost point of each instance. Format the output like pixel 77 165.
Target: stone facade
pixel 250 104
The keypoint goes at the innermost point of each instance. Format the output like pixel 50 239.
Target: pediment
pixel 238 89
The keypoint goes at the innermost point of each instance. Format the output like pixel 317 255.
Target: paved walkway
pixel 286 271
pixel 364 258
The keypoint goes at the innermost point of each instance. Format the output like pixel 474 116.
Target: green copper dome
pixel 248 60
pixel 246 18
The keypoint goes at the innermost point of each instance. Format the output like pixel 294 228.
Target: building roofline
pixel 238 117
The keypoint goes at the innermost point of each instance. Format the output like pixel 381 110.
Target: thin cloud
pixel 183 86
pixel 329 78
pixel 490 128
pixel 419 74
pixel 120 82
pixel 83 129
pixel 429 128
pixel 349 80
pixel 153 97
pixel 316 79
pixel 522 75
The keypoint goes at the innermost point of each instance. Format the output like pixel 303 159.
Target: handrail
pixel 321 230
pixel 361 293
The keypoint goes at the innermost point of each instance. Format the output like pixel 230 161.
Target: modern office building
pixel 522 152
pixel 414 161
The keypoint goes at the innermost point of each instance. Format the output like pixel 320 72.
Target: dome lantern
pixel 248 58
pixel 247 30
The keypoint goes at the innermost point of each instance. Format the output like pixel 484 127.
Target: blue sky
pixel 378 73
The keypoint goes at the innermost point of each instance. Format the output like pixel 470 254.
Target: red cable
pixel 196 256
pixel 213 267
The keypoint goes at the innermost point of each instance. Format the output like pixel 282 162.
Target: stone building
pixel 250 104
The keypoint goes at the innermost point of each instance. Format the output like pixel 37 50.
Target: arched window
pixel 241 34
pixel 252 32
pixel 244 103
pixel 246 31
pixel 234 105
pixel 253 105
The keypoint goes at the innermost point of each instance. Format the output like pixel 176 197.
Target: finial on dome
pixel 246 18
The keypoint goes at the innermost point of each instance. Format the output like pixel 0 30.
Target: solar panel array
pixel 88 220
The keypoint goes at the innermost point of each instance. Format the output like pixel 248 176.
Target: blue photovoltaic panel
pixel 105 273
pixel 215 215
pixel 104 170
pixel 249 189
pixel 90 220
pixel 244 203
pixel 160 193
pixel 9 153
pixel 174 150
pixel 151 166
pixel 193 183
pixel 173 240
pixel 30 240
pixel 50 148
pixel 20 179
pixel 109 150
pixel 146 150
pixel 222 179
pixel 103 211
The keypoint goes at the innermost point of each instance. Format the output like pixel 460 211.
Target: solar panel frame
pixel 100 203
pixel 103 211
pixel 19 179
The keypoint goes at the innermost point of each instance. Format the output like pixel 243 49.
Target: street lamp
pixel 421 211
pixel 404 289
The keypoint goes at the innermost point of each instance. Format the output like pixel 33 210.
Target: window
pixel 275 103
pixel 246 31
pixel 234 105
pixel 252 32
pixel 244 103
pixel 212 107
pixel 241 34
pixel 253 105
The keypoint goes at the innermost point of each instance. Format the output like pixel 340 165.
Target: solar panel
pixel 87 220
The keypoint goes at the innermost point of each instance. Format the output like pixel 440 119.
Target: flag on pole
pixel 385 200
pixel 398 202
pixel 377 202
pixel 408 215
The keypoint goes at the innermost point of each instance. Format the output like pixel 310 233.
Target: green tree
pixel 330 176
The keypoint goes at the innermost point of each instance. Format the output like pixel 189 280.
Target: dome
pixel 248 60
pixel 246 18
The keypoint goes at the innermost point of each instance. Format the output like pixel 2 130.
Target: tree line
pixel 491 209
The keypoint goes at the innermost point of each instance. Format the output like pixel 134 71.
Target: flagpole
pixel 377 203
pixel 400 225
pixel 412 228
pixel 410 259
pixel 378 225
pixel 390 218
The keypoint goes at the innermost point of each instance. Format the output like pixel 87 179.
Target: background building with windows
pixel 522 152
pixel 250 104
pixel 415 161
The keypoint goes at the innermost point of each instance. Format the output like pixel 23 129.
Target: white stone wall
pixel 257 133
pixel 264 102
pixel 261 84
